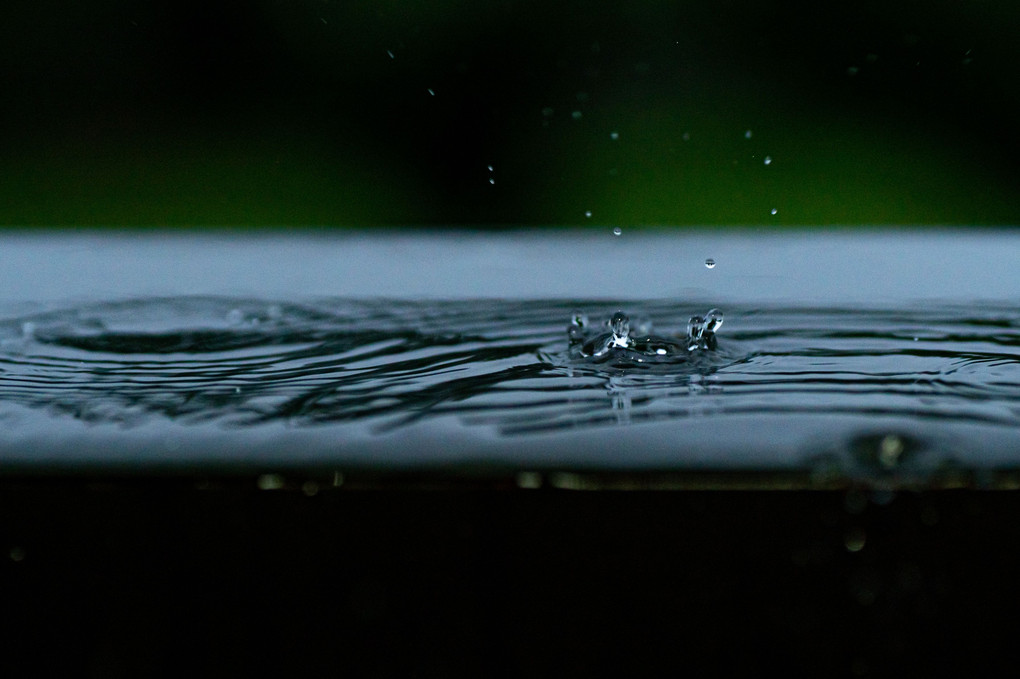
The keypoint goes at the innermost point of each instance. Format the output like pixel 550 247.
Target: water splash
pixel 621 346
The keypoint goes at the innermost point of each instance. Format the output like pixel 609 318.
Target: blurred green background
pixel 319 112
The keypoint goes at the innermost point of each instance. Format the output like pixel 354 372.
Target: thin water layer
pixel 884 394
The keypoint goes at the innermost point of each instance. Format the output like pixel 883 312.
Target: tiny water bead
pixel 622 345
pixel 709 263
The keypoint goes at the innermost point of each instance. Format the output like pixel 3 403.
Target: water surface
pixel 891 391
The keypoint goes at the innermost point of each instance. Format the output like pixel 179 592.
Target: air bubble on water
pixel 614 135
pixel 768 160
pixel 747 134
pixel 576 115
pixel 709 263
pixel 620 326
pixel 617 231
pixel 774 210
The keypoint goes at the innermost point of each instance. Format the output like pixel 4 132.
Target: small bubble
pixel 709 263
pixel 617 231
pixel 768 160
pixel 587 213
pixel 747 134
pixel 614 135
pixel 774 210
pixel 576 115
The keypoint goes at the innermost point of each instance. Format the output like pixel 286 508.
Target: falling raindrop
pixel 747 134
pixel 491 168
pixel 768 160
pixel 614 135
pixel 390 52
pixel 431 92
pixel 774 210
pixel 587 213
pixel 491 180
pixel 576 115
pixel 617 231
pixel 709 263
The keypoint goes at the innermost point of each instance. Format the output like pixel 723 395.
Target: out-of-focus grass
pixel 126 113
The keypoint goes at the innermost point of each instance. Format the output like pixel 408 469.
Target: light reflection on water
pixel 945 380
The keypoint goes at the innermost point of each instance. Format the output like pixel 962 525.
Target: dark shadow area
pixel 172 577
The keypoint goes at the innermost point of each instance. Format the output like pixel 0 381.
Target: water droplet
pixel 774 210
pixel 576 115
pixel 686 136
pixel 587 213
pixel 390 53
pixel 713 321
pixel 768 160
pixel 617 231
pixel 431 92
pixel 491 180
pixel 747 134
pixel 620 325
pixel 709 263
pixel 491 168
pixel 614 135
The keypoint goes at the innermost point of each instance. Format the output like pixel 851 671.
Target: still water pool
pixel 890 358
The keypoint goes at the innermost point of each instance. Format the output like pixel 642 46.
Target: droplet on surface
pixel 617 231
pixel 709 263
pixel 620 325
pixel 768 160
